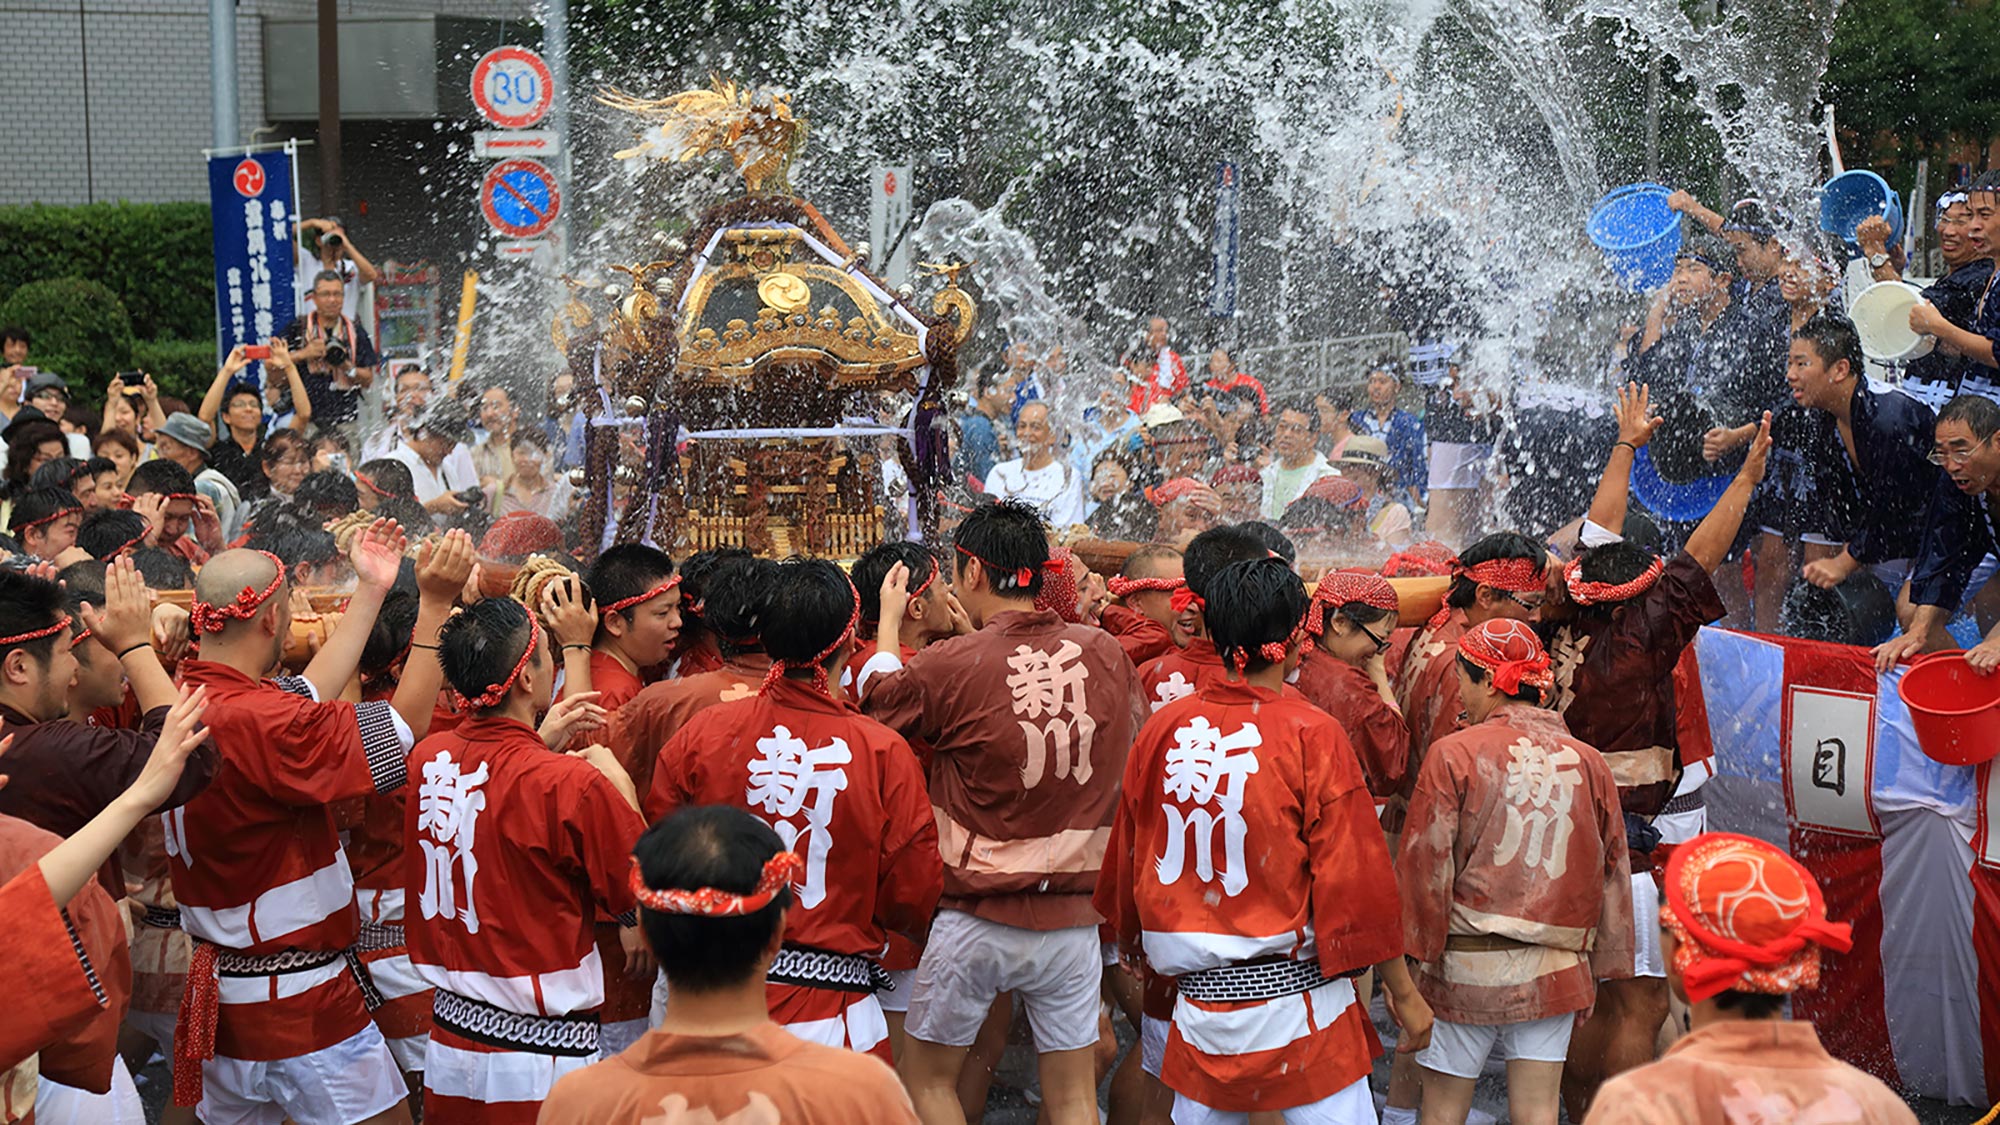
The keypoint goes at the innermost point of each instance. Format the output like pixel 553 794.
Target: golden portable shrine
pixel 766 390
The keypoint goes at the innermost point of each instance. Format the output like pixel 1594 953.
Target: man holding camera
pixel 325 245
pixel 339 358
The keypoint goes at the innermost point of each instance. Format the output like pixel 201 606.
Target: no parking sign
pixel 520 198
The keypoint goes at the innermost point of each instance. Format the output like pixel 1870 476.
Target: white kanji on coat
pixel 1049 703
pixel 1207 769
pixel 1541 785
pixel 1170 689
pixel 788 778
pixel 448 806
pixel 173 827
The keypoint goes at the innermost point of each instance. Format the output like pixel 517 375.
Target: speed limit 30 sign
pixel 512 87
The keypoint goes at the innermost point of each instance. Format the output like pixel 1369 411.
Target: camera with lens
pixel 331 238
pixel 336 354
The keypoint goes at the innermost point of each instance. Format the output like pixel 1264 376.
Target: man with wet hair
pixel 846 790
pixel 276 1019
pixel 514 852
pixel 714 886
pixel 1141 614
pixel 1514 930
pixel 639 616
pixel 1959 542
pixel 1031 719
pixel 1936 375
pixel 1295 462
pixel 44 521
pixel 1182 672
pixel 178 518
pixel 1245 822
pixel 928 615
pixel 1978 341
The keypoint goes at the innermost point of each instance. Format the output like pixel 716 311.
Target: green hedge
pixel 81 331
pixel 156 256
pixel 182 368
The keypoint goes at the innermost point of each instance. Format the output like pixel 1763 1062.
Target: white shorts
pixel 57 1104
pixel 157 1026
pixel 968 961
pixel 1647 961
pixel 495 1077
pixel 1354 1105
pixel 1153 1044
pixel 1896 572
pixel 1458 464
pixel 350 1081
pixel 897 999
pixel 1461 1049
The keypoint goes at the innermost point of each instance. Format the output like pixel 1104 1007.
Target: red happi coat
pixel 615 686
pixel 1376 728
pixel 1245 831
pixel 660 710
pixel 1515 835
pixel 256 862
pixel 1179 673
pixel 845 792
pixel 71 975
pixel 1141 637
pixel 1427 692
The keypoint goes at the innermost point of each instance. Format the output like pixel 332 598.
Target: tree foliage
pixel 1914 79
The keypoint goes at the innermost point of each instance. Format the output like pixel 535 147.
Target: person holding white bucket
pixel 1976 340
pixel 1935 376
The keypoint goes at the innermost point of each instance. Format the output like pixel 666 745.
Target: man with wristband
pixel 275 1017
pixel 1615 628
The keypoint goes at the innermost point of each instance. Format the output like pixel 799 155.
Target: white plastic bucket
pixel 1882 317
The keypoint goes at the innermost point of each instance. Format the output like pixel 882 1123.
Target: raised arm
pixel 211 403
pixel 281 358
pixel 1712 538
pixel 1636 426
pixel 442 567
pixel 376 555
pixel 1688 205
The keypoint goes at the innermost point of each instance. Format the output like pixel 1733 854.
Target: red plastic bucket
pixel 1955 710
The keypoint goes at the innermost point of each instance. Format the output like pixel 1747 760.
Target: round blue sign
pixel 520 198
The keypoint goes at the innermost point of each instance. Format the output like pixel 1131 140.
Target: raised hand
pixel 443 565
pixel 127 617
pixel 1636 421
pixel 570 615
pixel 571 716
pixel 1758 459
pixel 179 736
pixel 377 554
pixel 895 593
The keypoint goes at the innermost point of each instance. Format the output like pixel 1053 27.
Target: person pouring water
pixel 1975 341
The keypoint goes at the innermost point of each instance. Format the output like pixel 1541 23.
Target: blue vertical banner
pixel 1224 246
pixel 250 198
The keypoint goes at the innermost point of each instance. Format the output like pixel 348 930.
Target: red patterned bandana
pixel 206 618
pixel 1510 650
pixel 1235 474
pixel 1337 491
pixel 646 596
pixel 1597 593
pixel 1516 576
pixel 61 623
pixel 520 533
pixel 709 902
pixel 494 693
pixel 1059 592
pixel 1122 587
pixel 1165 494
pixel 1346 588
pixel 194 1024
pixel 1432 559
pixel 1746 917
pixel 820 681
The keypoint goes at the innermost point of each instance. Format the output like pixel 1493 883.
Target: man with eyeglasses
pixel 1934 377
pixel 1615 627
pixel 1959 552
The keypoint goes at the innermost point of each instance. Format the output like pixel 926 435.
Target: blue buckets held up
pixel 1850 197
pixel 1639 234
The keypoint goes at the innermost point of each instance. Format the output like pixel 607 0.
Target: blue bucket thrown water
pixel 1682 502
pixel 1638 233
pixel 1852 196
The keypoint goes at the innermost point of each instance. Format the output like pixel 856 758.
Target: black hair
pixel 1296 404
pixel 1361 613
pixel 1750 1005
pixel 1833 339
pixel 24 438
pixel 1317 514
pixel 162 476
pixel 293 540
pixel 805 610
pixel 409 514
pixel 15 332
pixel 1208 553
pixel 1985 182
pixel 1977 413
pixel 39 505
pixel 390 476
pixel 83 582
pixel 1499 545
pixel 1613 563
pixel 733 602
pixel 1251 604
pixel 695 572
pixel 276 446
pixel 327 494
pixel 243 388
pixel 163 570
pixel 395 627
pixel 62 472
pixel 1525 693
pixel 1003 539
pixel 29 604
pixel 1142 559
pixel 107 531
pixel 626 571
pixel 700 847
pixel 480 645
pixel 1272 539
pixel 871 568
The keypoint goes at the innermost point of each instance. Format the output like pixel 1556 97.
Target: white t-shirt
pixel 306 267
pixel 454 474
pixel 1055 489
